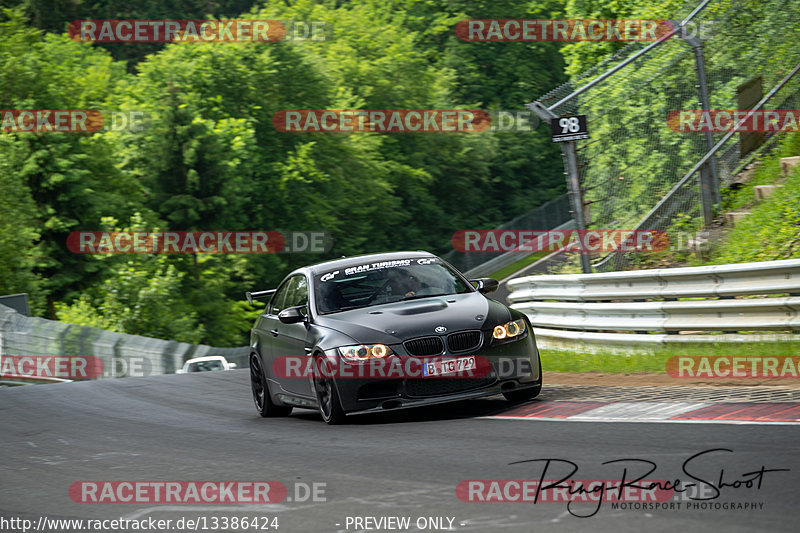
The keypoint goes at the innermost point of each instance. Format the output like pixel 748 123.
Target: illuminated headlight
pixel 509 330
pixel 362 352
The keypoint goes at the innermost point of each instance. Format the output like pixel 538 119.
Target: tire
pixel 327 396
pixel 522 395
pixel 258 384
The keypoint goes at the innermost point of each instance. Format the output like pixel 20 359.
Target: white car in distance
pixel 206 364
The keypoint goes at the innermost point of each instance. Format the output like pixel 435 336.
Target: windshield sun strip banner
pixel 377 265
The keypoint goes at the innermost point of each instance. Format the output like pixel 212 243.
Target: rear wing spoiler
pixel 258 295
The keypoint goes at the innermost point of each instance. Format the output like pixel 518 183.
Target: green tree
pixel 18 231
pixel 56 15
pixel 141 294
pixel 71 177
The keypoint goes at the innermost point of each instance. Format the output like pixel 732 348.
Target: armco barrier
pixel 21 335
pixel 650 307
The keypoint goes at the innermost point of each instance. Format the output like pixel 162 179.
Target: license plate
pixel 443 367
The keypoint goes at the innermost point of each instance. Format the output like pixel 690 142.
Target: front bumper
pixel 514 366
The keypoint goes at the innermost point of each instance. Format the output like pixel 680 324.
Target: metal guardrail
pixel 22 335
pixel 13 381
pixel 604 308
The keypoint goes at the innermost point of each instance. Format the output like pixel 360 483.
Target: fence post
pixel 573 182
pixel 576 195
pixel 709 178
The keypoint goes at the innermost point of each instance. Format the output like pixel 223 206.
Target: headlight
pixel 362 352
pixel 509 330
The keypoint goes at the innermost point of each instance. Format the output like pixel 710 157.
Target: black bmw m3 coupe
pixel 386 331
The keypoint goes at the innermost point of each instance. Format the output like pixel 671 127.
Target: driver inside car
pixel 413 286
pixel 407 284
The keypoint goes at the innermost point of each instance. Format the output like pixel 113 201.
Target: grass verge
pixel 517 265
pixel 563 361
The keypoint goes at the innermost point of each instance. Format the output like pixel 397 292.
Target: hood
pixel 399 321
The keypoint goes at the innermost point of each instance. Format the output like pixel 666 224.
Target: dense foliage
pixel 210 158
pixel 633 158
pixel 772 230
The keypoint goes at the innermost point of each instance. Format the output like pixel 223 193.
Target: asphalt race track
pixel 393 464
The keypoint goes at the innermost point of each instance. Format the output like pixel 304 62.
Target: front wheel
pixel 327 396
pixel 258 383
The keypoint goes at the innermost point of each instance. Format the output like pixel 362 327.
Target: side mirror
pixel 485 285
pixel 232 365
pixel 291 315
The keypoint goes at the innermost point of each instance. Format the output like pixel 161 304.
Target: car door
pixel 265 329
pixel 291 340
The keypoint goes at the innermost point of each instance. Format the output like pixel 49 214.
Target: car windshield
pixel 385 282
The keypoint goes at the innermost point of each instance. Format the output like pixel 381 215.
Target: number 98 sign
pixel 569 128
